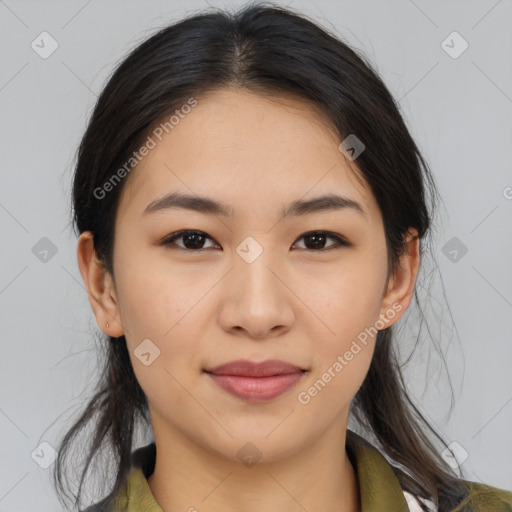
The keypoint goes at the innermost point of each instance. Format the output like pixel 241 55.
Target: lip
pixel 244 368
pixel 256 382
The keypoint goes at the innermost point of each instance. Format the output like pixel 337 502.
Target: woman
pixel 252 213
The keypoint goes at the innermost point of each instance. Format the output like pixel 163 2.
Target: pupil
pixel 192 236
pixel 318 238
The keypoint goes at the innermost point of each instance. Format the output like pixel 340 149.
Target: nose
pixel 256 299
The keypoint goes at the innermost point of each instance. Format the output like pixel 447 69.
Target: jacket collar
pixel 378 485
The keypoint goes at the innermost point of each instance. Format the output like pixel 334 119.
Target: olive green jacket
pixel 379 487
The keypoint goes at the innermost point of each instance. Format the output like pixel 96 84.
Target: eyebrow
pixel 208 206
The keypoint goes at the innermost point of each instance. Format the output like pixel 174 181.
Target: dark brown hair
pixel 266 49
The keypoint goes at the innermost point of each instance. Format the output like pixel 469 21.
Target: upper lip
pixel 252 369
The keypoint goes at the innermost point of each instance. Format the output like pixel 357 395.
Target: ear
pixel 100 287
pixel 401 282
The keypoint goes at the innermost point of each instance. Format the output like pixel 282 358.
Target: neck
pixel 318 477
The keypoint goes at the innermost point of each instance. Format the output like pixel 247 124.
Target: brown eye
pixel 192 240
pixel 316 240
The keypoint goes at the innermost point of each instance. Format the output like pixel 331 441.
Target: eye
pixel 194 240
pixel 318 238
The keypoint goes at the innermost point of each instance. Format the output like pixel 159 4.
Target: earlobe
pixel 403 279
pixel 100 287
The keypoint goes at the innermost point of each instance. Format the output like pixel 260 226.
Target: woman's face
pixel 250 286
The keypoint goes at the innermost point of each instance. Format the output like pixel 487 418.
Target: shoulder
pixel 485 498
pixel 478 498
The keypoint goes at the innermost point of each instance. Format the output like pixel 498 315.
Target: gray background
pixel 458 109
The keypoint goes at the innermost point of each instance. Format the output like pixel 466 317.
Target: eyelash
pixel 340 241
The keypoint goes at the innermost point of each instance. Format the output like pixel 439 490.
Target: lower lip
pixel 257 389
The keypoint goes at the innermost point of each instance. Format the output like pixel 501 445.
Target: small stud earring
pixel 107 325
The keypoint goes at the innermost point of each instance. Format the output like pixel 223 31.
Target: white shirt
pixel 414 506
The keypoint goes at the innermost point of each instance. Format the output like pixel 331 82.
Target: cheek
pixel 329 392
pixel 346 297
pixel 161 328
pixel 342 354
pixel 155 309
pixel 155 295
pixel 347 305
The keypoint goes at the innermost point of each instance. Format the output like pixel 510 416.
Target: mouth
pixel 256 382
pixel 244 368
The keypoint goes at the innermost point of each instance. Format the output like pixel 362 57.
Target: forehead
pixel 247 151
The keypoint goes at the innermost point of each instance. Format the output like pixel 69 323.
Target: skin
pixel 209 307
